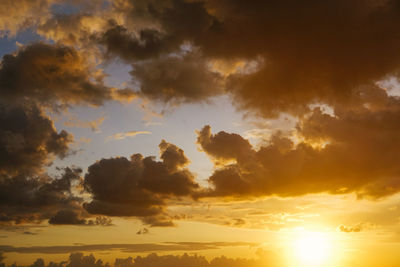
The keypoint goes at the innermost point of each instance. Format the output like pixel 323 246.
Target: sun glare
pixel 312 249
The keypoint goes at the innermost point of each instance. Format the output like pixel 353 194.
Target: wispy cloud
pixel 93 125
pixel 120 136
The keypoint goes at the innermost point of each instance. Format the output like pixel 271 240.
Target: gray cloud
pixel 28 139
pixel 185 78
pixel 49 73
pixel 34 199
pixel 140 186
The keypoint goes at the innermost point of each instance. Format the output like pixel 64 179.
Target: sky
pixel 199 133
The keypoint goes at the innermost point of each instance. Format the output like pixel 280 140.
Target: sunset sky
pixel 200 133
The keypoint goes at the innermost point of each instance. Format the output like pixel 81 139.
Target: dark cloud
pixel 36 76
pixel 143 231
pixel 78 217
pixel 223 146
pixel 28 140
pixel 164 28
pixel 36 198
pixel 356 154
pixel 326 52
pixel 310 52
pixel 181 78
pixel 51 73
pixel 67 217
pixel 119 41
pixel 140 186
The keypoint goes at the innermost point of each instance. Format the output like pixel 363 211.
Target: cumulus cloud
pixel 33 199
pixel 51 73
pixel 318 68
pixel 67 217
pixel 164 27
pixel 35 77
pixel 186 78
pixel 140 185
pixel 28 139
pixel 326 52
pixel 353 159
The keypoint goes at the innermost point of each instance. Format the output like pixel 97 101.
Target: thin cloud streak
pixel 121 136
pixel 132 248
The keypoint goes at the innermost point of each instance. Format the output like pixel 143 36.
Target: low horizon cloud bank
pixel 79 259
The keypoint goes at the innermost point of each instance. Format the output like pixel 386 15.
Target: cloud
pixel 120 136
pixel 143 231
pixel 21 14
pixel 75 29
pixel 171 46
pixel 140 185
pixel 94 125
pixel 223 146
pixel 325 51
pixel 186 78
pixel 49 74
pixel 355 228
pixel 163 28
pixel 77 217
pixel 66 217
pixel 28 139
pixel 128 248
pixel 32 199
pixel 36 77
pixel 354 158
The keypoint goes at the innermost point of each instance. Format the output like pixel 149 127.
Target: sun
pixel 312 249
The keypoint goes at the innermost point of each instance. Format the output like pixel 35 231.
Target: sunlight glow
pixel 312 249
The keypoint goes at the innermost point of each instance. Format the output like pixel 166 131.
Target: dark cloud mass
pixel 66 217
pixel 50 73
pixel 183 78
pixel 28 139
pixel 139 186
pixel 36 198
pixel 318 51
pixel 37 76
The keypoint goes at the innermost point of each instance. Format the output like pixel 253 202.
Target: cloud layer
pixel 270 57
